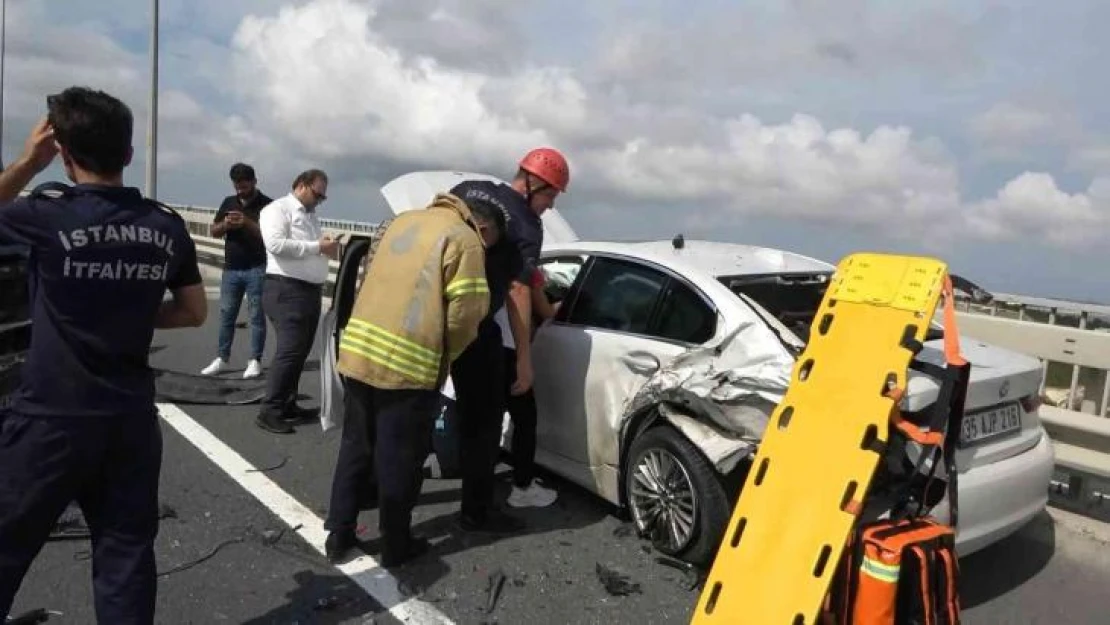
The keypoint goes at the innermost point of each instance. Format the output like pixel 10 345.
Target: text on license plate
pixel 990 423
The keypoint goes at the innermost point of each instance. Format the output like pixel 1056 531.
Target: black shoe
pixel 296 414
pixel 415 548
pixel 339 543
pixel 495 522
pixel 272 424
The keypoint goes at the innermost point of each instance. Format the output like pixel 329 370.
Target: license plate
pixel 978 426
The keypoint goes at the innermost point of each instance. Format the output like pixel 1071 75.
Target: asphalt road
pixel 228 550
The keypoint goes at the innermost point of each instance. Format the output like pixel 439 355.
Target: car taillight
pixel 1030 403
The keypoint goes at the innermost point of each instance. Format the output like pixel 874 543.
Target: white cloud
pixel 367 89
pixel 795 169
pixel 1012 125
pixel 1032 207
pixel 1092 156
pixel 330 84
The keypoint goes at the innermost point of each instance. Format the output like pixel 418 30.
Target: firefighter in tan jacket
pixel 418 308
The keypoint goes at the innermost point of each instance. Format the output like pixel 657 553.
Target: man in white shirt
pixel 297 253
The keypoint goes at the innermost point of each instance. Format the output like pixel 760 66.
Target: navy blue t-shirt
pixel 242 248
pixel 101 259
pixel 516 256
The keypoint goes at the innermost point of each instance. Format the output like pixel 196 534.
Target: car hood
pixel 416 190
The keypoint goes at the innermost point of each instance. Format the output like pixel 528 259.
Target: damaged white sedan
pixel 655 381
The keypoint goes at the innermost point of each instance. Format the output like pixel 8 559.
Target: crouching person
pixel 418 308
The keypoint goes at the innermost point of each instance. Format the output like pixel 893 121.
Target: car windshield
pixel 792 298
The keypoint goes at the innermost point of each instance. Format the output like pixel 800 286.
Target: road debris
pixel 328 604
pixel 624 530
pixel 693 577
pixel 493 590
pixel 166 511
pixel 41 615
pixel 270 468
pixel 616 583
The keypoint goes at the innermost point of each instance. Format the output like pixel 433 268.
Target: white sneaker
pixel 254 369
pixel 535 496
pixel 219 365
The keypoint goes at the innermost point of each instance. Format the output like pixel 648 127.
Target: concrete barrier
pixel 1081 440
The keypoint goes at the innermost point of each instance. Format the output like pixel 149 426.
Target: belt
pixel 293 281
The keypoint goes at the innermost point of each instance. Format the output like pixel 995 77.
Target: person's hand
pixel 234 219
pixel 40 148
pixel 329 247
pixel 523 376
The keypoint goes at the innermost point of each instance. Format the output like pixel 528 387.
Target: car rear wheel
pixel 675 496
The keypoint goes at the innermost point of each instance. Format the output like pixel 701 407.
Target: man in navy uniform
pixel 491 376
pixel 83 425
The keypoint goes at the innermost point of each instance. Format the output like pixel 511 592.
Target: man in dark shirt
pixel 488 377
pixel 83 425
pixel 244 270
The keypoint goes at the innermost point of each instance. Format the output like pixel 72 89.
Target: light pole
pixel 3 50
pixel 152 123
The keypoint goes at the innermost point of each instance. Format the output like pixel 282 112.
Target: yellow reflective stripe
pixel 466 286
pixel 391 352
pixel 388 360
pixel 880 570
pixel 392 347
pixel 379 335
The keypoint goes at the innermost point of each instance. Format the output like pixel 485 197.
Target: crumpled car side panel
pixel 720 395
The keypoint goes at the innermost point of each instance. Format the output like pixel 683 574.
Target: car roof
pixel 713 258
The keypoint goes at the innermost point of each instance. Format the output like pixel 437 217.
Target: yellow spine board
pixel 794 514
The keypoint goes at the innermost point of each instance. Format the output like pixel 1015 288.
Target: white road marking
pixel 364 570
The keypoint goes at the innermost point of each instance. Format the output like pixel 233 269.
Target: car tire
pixel 663 452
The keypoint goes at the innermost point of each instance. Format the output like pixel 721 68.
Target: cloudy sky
pixel 976 131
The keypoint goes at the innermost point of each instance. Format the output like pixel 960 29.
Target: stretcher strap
pixel 942 426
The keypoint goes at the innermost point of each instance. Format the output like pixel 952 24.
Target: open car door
pixel 332 323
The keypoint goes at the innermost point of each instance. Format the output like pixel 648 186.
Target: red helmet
pixel 548 165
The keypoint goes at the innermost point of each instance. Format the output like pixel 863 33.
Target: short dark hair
pixel 308 177
pixel 488 213
pixel 94 128
pixel 240 172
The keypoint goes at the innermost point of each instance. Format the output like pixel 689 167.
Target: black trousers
pixel 522 412
pixel 111 467
pixel 293 307
pixel 478 376
pixel 387 434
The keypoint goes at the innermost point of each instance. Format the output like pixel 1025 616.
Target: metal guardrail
pixel 210 251
pixel 199 218
pixel 1081 438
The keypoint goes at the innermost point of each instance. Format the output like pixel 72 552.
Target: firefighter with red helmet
pixel 495 373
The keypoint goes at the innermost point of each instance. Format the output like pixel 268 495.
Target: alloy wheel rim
pixel 664 504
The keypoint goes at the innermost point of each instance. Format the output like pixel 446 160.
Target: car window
pixel 618 295
pixel 684 316
pixel 559 274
